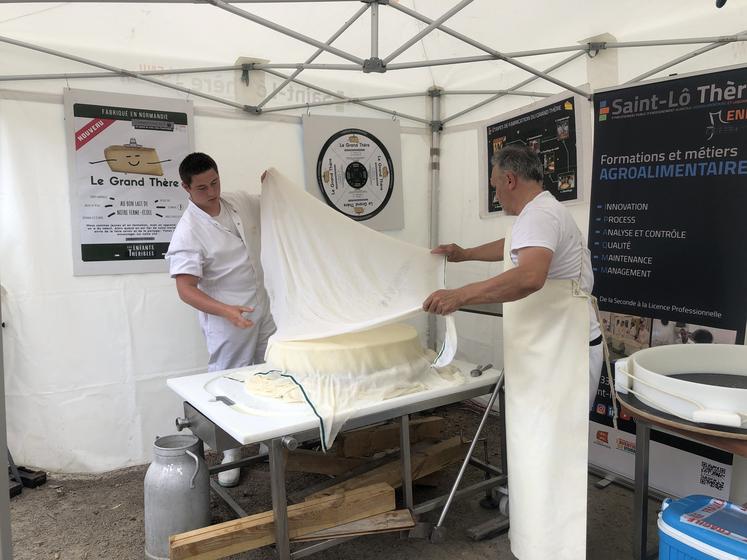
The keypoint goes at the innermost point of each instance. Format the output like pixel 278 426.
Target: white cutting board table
pixel 253 420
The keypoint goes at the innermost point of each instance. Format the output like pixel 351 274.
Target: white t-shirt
pixel 545 222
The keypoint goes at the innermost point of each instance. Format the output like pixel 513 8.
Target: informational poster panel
pixel 554 129
pixel 667 233
pixel 354 166
pixel 125 192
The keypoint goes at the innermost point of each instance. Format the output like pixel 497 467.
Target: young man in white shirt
pixel 214 258
pixel 545 243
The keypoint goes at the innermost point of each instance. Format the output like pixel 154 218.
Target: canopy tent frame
pixel 372 64
pixel 145 75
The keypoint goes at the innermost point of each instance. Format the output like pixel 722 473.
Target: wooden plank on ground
pixel 397 520
pixel 432 480
pixel 367 441
pixel 304 460
pixel 425 461
pixel 254 531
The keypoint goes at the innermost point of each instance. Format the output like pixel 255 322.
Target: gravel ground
pixel 101 517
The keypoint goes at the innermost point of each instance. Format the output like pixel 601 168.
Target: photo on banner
pixel 666 232
pixel 125 192
pixel 555 129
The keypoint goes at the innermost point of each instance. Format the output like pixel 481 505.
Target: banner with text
pixel 126 195
pixel 666 228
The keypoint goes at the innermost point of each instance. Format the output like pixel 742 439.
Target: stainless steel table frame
pixel 218 439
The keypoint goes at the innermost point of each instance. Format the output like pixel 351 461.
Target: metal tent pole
pixel 431 26
pixel 516 87
pixel 439 62
pixel 460 60
pixel 170 1
pixel 434 191
pixel 284 30
pixel 345 99
pixel 337 102
pixel 334 36
pixel 689 41
pixel 497 92
pixel 483 57
pixel 6 550
pixel 299 65
pixel 374 30
pixel 120 71
pixel 654 43
pixel 76 75
pixel 302 66
pixel 682 58
pixel 488 50
pixel 553 50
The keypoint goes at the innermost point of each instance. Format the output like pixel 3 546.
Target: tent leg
pixel 6 552
pixel 435 157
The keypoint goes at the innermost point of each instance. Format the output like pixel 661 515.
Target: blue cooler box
pixel 702 528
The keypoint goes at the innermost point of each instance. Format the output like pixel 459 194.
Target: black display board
pixel 668 227
pixel 550 131
pixel 667 233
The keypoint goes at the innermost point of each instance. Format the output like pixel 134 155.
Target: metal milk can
pixel 177 492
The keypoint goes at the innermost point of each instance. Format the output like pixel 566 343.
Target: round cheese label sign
pixel 355 173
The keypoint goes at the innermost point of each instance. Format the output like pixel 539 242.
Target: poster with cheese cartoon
pixel 126 196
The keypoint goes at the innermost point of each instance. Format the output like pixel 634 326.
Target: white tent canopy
pixel 86 358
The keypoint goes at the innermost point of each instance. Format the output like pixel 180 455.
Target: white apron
pixel 546 360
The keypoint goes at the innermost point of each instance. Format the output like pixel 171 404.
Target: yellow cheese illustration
pixel 133 158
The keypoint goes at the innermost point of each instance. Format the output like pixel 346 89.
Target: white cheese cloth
pixel 334 397
pixel 328 275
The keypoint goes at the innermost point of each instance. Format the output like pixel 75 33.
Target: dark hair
pixel 521 160
pixel 194 164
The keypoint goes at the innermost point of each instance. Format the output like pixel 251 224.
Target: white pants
pixel 231 347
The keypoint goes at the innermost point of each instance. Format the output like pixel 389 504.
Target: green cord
pixel 308 401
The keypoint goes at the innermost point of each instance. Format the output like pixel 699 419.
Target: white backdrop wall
pixel 86 358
